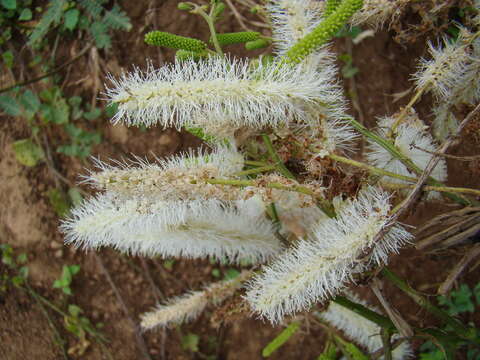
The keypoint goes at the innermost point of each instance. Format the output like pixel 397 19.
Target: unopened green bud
pixel 324 31
pixel 183 55
pixel 172 41
pixel 257 44
pixel 200 133
pixel 184 6
pixel 330 7
pixel 237 37
pixel 219 9
pixel 255 9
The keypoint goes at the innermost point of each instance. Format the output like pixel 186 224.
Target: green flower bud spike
pixel 330 7
pixel 237 37
pixel 160 38
pixel 257 44
pixel 183 55
pixel 324 31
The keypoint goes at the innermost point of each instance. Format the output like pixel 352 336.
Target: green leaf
pixel 60 111
pixel 9 4
pixel 27 153
pixel 22 258
pixel 281 339
pixel 231 274
pixel 329 353
pixel 111 109
pixel 74 310
pixel 98 30
pixel 9 105
pixel 459 301
pixel 7 57
pixel 117 19
pixel 25 15
pixel 190 342
pixel 216 273
pixel 58 202
pixel 92 114
pixel 74 269
pixel 75 196
pixel 30 101
pixel 71 18
pixel 476 291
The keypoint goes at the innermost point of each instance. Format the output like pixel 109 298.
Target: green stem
pixel 255 163
pixel 209 19
pixel 282 169
pixel 387 345
pixel 380 320
pixel 392 149
pixel 456 325
pixel 323 203
pixel 371 169
pixel 256 170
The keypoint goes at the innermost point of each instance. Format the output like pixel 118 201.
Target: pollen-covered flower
pixel 147 226
pixel 180 177
pixel 364 332
pixel 221 91
pixel 412 139
pixel 320 266
pixel 189 306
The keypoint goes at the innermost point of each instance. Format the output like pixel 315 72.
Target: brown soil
pixel 29 224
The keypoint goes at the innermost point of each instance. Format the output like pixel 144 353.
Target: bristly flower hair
pixel 188 307
pixel 364 332
pixel 319 267
pixel 412 139
pixel 233 231
pixel 221 91
pixel 179 177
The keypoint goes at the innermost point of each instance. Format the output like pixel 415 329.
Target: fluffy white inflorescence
pixel 189 306
pixel 175 178
pixel 221 91
pixel 319 267
pixel 365 332
pixel 291 21
pixel 233 231
pixel 410 137
pixel 447 69
pixel 377 12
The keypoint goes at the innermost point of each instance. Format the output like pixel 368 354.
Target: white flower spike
pixel 189 306
pixel 359 329
pixel 220 91
pixel 319 267
pixel 411 138
pixel 192 229
pixel 178 177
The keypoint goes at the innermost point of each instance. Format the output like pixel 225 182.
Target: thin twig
pixel 470 255
pixel 237 15
pixel 140 342
pixel 50 73
pixel 455 157
pixel 404 329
